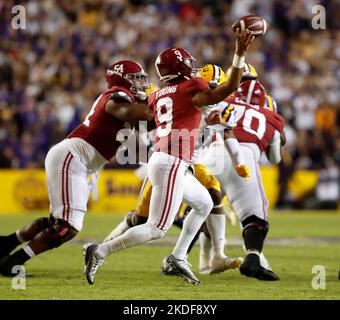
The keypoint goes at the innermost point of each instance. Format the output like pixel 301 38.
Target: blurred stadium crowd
pixel 51 72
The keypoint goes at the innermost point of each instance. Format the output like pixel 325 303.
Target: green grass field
pixel 296 242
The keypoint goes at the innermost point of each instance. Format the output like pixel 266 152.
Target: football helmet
pixel 213 74
pixel 252 92
pixel 130 75
pixel 173 63
pixel 249 72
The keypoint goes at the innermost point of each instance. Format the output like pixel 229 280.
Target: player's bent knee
pixel 256 222
pixel 60 233
pixel 204 205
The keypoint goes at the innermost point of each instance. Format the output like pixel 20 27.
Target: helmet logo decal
pixel 179 55
pixel 119 68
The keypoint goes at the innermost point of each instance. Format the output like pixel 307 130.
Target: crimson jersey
pixel 177 119
pixel 100 128
pixel 254 124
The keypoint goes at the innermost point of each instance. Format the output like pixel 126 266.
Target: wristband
pixel 238 62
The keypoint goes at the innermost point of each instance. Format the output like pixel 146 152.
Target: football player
pixel 215 76
pixel 250 73
pixel 69 163
pixel 258 129
pixel 178 110
pixel 205 261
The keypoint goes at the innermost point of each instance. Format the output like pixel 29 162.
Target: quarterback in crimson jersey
pixel 68 164
pixel 257 129
pixel 177 108
pixel 177 119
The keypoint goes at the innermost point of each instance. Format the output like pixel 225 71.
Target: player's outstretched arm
pixel 232 145
pixel 213 96
pixel 129 112
pixel 236 154
pixel 274 149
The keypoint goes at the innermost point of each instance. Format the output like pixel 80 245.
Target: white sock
pixel 192 223
pixel 132 237
pixel 119 230
pixel 205 251
pixel 216 227
pixel 205 243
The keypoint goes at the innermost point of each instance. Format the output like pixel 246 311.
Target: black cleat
pixel 6 267
pixel 182 269
pixel 4 247
pixel 92 263
pixel 251 268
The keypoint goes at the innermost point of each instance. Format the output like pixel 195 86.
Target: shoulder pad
pixel 120 96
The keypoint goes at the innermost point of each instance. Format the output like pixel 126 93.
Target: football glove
pixel 243 171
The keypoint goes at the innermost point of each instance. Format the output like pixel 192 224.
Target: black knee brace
pixel 254 232
pixel 216 196
pixel 59 233
pixel 133 219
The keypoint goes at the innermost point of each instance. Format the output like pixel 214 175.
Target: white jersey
pixel 207 132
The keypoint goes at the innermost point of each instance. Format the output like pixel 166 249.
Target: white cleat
pixel 182 268
pixel 92 263
pixel 222 264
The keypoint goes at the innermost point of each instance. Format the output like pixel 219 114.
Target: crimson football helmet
pixel 130 75
pixel 252 92
pixel 173 63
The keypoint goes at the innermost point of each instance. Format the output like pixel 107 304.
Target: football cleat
pixel 92 263
pixel 167 268
pixel 5 247
pixel 6 267
pixel 251 267
pixel 182 269
pixel 222 264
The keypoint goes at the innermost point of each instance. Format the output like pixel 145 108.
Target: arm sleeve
pixel 274 148
pixel 234 150
pixel 120 97
pixel 229 116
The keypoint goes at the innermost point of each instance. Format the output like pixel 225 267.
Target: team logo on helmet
pixel 213 74
pixel 174 63
pixel 130 75
pixel 252 92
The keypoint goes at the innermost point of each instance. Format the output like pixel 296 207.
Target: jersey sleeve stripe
pixel 227 112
